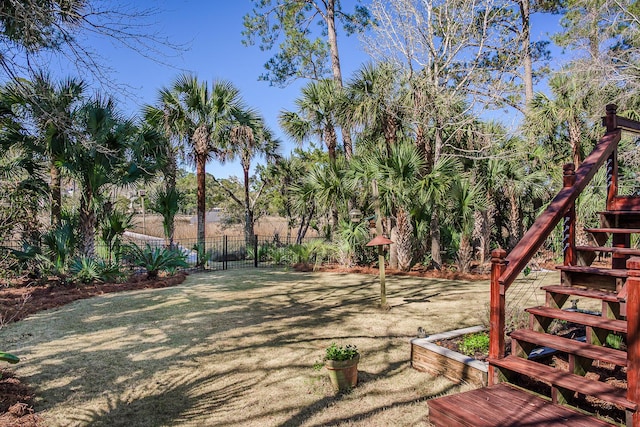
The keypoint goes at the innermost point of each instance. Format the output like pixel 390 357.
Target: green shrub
pixel 337 353
pixel 156 259
pixel 475 343
pixel 614 341
pixel 84 270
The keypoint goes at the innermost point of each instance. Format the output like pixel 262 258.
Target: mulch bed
pixel 23 299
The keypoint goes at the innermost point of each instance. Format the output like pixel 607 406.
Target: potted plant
pixel 342 364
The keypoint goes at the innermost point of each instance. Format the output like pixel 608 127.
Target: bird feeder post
pixel 380 241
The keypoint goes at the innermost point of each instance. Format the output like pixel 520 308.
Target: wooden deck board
pixel 609 249
pixel 612 272
pixel 590 351
pixel 613 230
pixel 581 292
pixel 557 377
pixel 505 406
pixel 580 318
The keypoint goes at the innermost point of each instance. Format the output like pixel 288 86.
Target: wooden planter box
pixel 426 356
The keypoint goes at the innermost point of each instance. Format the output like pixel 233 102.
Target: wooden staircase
pixel 577 385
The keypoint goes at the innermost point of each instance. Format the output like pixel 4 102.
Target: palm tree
pixel 374 101
pixel 326 181
pixel 467 198
pixel 566 115
pixel 165 201
pixel 398 177
pixel 102 156
pixel 196 114
pixel 49 107
pixel 22 178
pixel 434 191
pixel 316 115
pixel 248 137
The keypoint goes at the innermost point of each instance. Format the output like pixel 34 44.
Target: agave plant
pixel 155 259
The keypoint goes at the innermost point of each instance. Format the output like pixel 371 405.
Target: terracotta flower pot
pixel 343 373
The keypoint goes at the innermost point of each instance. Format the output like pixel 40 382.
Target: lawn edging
pixel 427 356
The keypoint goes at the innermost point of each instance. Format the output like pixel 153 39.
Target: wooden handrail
pixel 520 256
pixel 612 121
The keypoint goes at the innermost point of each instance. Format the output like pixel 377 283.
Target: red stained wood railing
pixel 505 270
pixel 633 337
pixel 520 256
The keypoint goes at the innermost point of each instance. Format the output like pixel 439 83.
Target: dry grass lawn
pixel 237 348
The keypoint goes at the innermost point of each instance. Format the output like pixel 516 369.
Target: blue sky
pixel 211 30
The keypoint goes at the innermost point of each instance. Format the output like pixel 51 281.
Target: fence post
pixel 225 252
pixel 497 313
pixel 255 251
pixel 633 336
pixel 569 226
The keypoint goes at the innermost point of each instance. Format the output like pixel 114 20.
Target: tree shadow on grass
pixel 307 413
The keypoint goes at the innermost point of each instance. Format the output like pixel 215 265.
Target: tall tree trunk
pixel 201 161
pixel 56 195
pixel 333 42
pixel 330 139
pixel 393 249
pixel 465 253
pixel 337 71
pixel 527 61
pixel 87 223
pixel 170 187
pixel 248 212
pixel 436 256
pixel 515 220
pixel 575 135
pixel 404 241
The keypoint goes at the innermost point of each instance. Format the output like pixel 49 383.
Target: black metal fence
pixel 224 252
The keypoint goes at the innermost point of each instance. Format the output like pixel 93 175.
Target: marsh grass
pixel 237 348
pixel 265 226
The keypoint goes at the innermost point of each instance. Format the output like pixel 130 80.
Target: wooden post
pixel 255 251
pixel 611 122
pixel 225 249
pixel 496 316
pixel 569 226
pixel 633 335
pixel 376 205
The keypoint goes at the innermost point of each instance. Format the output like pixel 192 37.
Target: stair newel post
pixel 497 312
pixel 569 225
pixel 633 335
pixel 610 121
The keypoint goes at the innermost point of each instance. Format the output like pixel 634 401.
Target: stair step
pixel 567 380
pixel 503 405
pixel 610 272
pixel 581 292
pixel 628 219
pixel 620 213
pixel 578 348
pixel 623 251
pixel 580 318
pixel 613 230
